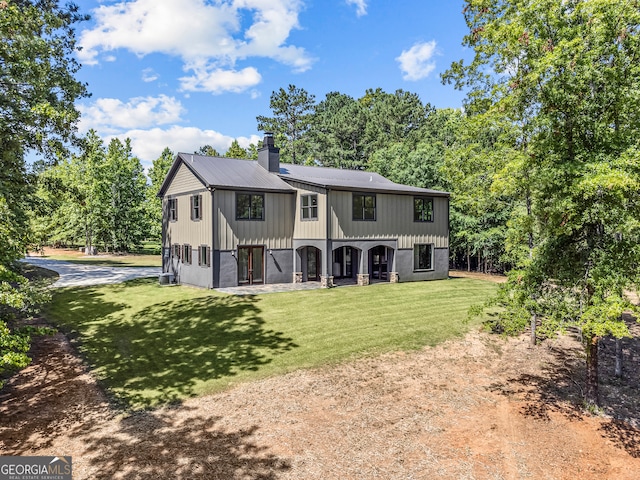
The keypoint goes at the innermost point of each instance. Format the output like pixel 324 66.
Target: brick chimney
pixel 269 155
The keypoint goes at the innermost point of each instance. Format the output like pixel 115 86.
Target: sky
pixel 183 74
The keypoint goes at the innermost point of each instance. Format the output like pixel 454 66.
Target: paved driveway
pixel 79 275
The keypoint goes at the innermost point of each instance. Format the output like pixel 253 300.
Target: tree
pixel 292 110
pixel 392 118
pixel 337 132
pixel 37 95
pixel 567 73
pixel 37 68
pixel 70 205
pixel 236 151
pixel 208 151
pixel 157 174
pixel 123 187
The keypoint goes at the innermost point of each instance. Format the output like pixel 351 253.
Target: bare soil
pixel 481 407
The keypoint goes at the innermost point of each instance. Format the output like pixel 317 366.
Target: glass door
pixel 313 264
pixel 250 265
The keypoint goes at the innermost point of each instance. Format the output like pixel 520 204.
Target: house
pixel 230 222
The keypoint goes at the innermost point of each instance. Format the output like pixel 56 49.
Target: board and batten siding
pixel 394 219
pixel 310 229
pixel 184 230
pixel 275 231
pixel 183 181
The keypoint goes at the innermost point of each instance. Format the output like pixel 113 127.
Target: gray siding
pixel 394 219
pixel 404 266
pixel 185 230
pixel 310 229
pixel 183 181
pixel 275 231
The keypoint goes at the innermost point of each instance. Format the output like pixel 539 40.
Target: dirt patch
pixel 475 408
pixel 478 276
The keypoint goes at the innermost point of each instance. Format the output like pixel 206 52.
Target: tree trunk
pixel 618 358
pixel 591 392
pixel 534 321
pixel 468 260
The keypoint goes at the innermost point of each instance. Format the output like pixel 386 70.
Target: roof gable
pixel 227 173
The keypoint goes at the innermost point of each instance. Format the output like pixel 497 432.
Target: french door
pixel 313 264
pixel 250 265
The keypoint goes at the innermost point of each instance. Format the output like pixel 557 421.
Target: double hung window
pixel 309 204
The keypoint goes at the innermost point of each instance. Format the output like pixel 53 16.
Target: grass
pixel 152 345
pixel 104 260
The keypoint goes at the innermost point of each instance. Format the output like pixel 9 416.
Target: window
pixel 203 256
pixel 196 207
pixel 173 209
pixel 186 254
pixel 423 257
pixel 249 206
pixel 364 207
pixel 309 207
pixel 423 209
pixel 176 250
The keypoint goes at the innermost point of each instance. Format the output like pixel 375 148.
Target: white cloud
pixel 210 35
pixel 361 6
pixel 219 81
pixel 111 114
pixel 147 145
pixel 416 63
pixel 149 75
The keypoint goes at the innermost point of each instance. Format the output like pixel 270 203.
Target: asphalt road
pixel 79 275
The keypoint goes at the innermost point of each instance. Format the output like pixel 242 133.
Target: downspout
pixel 213 238
pixel 328 258
pixel 163 234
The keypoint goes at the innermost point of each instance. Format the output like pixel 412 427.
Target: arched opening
pixel 310 263
pixel 345 264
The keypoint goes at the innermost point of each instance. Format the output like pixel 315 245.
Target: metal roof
pixel 234 174
pixel 349 180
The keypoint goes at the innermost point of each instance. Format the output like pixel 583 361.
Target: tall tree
pixel 157 174
pixel 37 95
pixel 124 188
pixel 236 151
pixel 391 118
pixel 38 87
pixel 207 150
pixel 567 72
pixel 292 117
pixel 337 132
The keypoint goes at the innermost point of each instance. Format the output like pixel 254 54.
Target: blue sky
pixel 182 74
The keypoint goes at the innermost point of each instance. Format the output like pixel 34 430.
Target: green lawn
pixel 104 260
pixel 151 345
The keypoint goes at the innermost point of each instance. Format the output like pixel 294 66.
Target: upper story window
pixel 422 209
pixel 249 206
pixel 196 207
pixel 364 206
pixel 309 206
pixel 173 209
